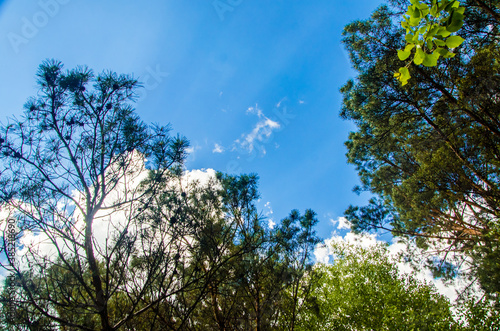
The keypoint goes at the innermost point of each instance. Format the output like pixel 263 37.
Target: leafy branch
pixel 429 29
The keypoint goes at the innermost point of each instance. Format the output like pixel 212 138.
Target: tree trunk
pixel 100 298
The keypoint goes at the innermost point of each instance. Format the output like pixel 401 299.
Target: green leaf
pixel 439 42
pixel 443 5
pixel 409 47
pixel 419 56
pixel 404 75
pixel 409 37
pixel 414 21
pixel 430 43
pixel 444 53
pixel 416 13
pixel 422 7
pixel 454 41
pixel 443 32
pixel 449 6
pixel 430 60
pixel 403 54
pixel 455 22
pixel 434 10
pixel 455 25
pixel 432 31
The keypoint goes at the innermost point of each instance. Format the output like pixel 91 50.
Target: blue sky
pixel 254 85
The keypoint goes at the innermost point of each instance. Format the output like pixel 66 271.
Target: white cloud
pixel 201 176
pixel 344 224
pixel 262 130
pixel 255 110
pixel 271 223
pixel 269 213
pixel 341 223
pixel 280 102
pixel 107 222
pixel 218 149
pixel 192 151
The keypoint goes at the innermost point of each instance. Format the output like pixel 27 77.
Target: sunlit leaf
pixel 445 53
pixel 439 42
pixel 404 75
pixel 443 32
pixel 403 54
pixel 419 56
pixel 454 41
pixel 430 60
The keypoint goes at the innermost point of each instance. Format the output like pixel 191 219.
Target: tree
pixel 364 290
pixel 428 151
pixel 251 292
pixel 479 315
pixel 76 156
pixel 113 234
pixel 296 241
pixel 108 238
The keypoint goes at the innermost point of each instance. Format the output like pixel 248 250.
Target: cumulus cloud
pixel 200 176
pixel 108 221
pixel 342 223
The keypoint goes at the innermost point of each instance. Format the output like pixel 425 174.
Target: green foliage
pixel 176 255
pixel 77 160
pixel 428 32
pixel 250 291
pixel 363 290
pixel 480 315
pixel 429 154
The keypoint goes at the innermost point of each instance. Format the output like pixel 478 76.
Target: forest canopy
pixel 112 232
pixel 428 150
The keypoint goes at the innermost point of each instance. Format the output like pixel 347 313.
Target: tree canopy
pixel 428 150
pixel 364 290
pixel 112 233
